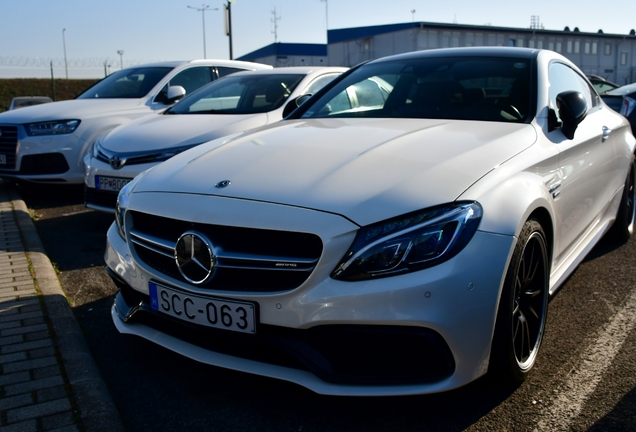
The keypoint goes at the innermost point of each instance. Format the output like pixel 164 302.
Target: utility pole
pixel 228 24
pixel 121 59
pixel 326 19
pixel 203 9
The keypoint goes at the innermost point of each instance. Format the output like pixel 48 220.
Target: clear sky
pixel 32 32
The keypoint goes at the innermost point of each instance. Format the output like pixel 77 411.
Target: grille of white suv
pixel 8 145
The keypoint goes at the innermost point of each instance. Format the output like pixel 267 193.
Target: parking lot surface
pixel 585 378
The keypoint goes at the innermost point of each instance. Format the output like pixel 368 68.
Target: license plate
pixel 110 183
pixel 209 312
pixel 3 159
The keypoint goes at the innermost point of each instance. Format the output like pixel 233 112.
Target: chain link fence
pixel 93 67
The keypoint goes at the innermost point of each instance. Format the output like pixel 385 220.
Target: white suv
pixel 46 143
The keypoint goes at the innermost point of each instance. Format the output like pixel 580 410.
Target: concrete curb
pixel 97 409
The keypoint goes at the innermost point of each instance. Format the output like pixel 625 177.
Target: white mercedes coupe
pixel 402 241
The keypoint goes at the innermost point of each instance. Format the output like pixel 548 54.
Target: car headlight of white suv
pixel 56 127
pixel 410 242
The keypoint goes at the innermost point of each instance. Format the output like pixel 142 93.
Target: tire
pixel 623 227
pixel 523 308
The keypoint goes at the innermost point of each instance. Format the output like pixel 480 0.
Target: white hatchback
pixel 46 143
pixel 228 106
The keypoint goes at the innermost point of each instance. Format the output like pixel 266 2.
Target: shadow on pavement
pixel 621 418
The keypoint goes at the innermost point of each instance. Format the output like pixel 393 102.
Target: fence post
pixel 52 82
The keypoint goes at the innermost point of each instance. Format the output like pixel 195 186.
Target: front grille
pixel 137 158
pixel 9 145
pixel 248 259
pixel 100 198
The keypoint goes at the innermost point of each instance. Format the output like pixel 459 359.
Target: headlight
pixel 410 242
pixel 58 127
pixel 95 150
pixel 122 203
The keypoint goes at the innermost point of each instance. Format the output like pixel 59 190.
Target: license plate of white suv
pixel 223 314
pixel 110 183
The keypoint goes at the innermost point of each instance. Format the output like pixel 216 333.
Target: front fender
pixel 513 191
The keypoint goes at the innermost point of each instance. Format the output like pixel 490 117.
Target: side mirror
pixel 572 108
pixel 175 93
pixel 295 103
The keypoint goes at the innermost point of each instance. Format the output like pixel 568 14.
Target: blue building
pixel 289 54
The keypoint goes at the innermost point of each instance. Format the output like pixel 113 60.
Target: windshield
pixel 245 94
pixel 127 84
pixel 464 88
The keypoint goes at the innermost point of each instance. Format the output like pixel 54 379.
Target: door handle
pixel 606 133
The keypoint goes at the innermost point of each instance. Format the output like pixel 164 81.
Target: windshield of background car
pixel 463 88
pixel 127 83
pixel 246 94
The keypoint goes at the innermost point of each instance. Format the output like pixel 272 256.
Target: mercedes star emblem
pixel 194 257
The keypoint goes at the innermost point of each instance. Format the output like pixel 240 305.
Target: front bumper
pixel 49 158
pixel 106 200
pixel 421 332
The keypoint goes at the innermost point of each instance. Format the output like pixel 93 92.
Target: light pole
pixel 203 9
pixel 64 43
pixel 121 58
pixel 326 18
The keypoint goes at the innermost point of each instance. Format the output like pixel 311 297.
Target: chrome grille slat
pixel 155 241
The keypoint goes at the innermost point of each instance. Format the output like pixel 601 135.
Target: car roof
pixel 209 62
pixel 465 51
pixel 21 98
pixel 304 70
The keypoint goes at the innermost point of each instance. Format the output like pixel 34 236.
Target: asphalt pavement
pixel 48 378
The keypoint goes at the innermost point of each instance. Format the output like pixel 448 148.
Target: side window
pixel 190 79
pixel 563 78
pixel 193 78
pixel 319 83
pixel 225 71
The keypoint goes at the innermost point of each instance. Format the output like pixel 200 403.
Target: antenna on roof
pixel 535 23
pixel 275 20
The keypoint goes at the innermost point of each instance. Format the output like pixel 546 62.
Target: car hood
pixel 622 91
pixel 161 131
pixel 71 109
pixel 364 169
